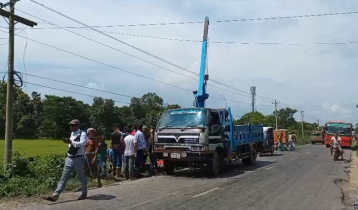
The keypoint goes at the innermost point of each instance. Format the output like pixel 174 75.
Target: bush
pixel 25 178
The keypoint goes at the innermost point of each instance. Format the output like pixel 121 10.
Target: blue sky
pixel 319 79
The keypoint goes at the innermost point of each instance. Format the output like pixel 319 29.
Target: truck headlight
pixel 159 148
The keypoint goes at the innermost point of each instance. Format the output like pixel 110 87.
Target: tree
pixel 255 118
pixel 102 115
pixel 57 112
pixel 285 117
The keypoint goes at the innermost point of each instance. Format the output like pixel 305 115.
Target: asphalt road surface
pixel 301 179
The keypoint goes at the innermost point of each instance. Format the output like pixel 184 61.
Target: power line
pixel 104 91
pixel 99 62
pixel 77 85
pixel 201 22
pixel 139 58
pixel 224 42
pixel 71 92
pixel 143 51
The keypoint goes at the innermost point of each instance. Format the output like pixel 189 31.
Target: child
pixel 102 156
pixel 110 158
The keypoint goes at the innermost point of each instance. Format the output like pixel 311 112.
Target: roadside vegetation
pixel 25 177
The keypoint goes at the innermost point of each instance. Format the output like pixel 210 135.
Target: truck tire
pixel 327 145
pixel 214 165
pixel 251 159
pixel 168 167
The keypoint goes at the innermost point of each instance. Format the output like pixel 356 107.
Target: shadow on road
pixel 101 197
pixel 227 171
pixel 269 155
pixel 98 197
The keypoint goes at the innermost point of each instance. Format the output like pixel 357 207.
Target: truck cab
pixel 190 136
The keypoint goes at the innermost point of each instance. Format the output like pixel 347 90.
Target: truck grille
pixel 166 140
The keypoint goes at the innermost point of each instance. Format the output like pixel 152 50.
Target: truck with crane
pixel 200 136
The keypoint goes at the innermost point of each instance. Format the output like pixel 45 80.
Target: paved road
pixel 302 179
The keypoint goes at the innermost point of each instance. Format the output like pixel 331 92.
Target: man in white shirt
pixel 336 140
pixel 130 153
pixel 75 160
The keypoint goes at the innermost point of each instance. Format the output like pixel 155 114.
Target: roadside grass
pixel 37 147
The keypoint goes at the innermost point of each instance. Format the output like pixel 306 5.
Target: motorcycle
pixel 336 152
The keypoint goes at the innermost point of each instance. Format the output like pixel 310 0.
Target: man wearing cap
pixel 75 160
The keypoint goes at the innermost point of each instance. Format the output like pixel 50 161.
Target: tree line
pixel 285 120
pixel 47 117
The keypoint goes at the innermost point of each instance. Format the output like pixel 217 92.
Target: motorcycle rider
pixel 336 141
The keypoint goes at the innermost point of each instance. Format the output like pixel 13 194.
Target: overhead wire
pixel 109 92
pixel 134 47
pixel 214 21
pixel 39 85
pixel 116 49
pixel 227 42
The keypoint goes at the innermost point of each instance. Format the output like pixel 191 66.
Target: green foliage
pixel 36 117
pixel 255 118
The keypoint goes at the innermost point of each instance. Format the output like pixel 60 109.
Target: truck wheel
pixel 251 159
pixel 214 165
pixel 168 168
pixel 327 145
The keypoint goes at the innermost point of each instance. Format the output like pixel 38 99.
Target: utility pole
pixel 10 83
pixel 318 122
pixel 253 96
pixel 302 116
pixel 276 102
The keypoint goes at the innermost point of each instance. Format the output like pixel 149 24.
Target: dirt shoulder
pixel 349 186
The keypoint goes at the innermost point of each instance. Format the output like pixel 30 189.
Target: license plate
pixel 183 154
pixel 175 155
pixel 165 154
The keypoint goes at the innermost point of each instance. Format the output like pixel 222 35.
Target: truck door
pixel 215 127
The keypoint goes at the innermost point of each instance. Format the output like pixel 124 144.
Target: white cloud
pixel 334 108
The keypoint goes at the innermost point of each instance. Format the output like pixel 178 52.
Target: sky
pixel 298 72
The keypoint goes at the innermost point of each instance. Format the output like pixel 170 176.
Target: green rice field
pixel 37 147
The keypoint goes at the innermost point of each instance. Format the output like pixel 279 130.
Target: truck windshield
pixel 340 128
pixel 181 118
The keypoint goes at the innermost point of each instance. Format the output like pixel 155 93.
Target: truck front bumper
pixel 180 156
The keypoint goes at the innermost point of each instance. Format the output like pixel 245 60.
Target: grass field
pixel 37 147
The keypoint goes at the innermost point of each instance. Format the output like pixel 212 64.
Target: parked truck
pixel 194 137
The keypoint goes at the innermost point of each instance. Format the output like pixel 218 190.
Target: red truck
pixel 344 130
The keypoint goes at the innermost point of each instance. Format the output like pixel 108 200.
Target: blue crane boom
pixel 201 95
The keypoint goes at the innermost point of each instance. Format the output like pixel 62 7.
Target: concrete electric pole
pixel 302 116
pixel 276 102
pixel 10 83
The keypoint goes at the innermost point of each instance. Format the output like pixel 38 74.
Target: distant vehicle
pixel 280 135
pixel 317 137
pixel 268 143
pixel 344 130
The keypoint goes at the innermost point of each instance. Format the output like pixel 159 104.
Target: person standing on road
pixel 153 161
pixel 75 160
pixel 291 141
pixel 129 156
pixel 142 148
pixel 91 150
pixel 117 148
pixel 336 140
